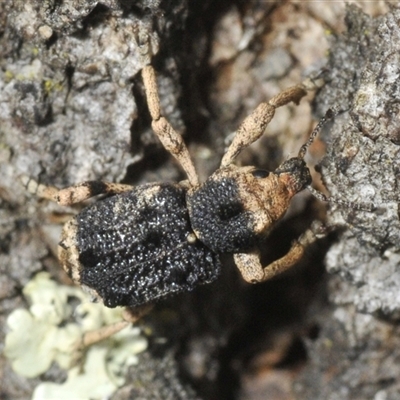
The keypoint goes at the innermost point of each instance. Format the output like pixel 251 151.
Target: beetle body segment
pixel 237 206
pixel 157 239
pixel 136 247
pixel 218 214
pixel 140 245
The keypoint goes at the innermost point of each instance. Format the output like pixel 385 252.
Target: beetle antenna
pixel 348 204
pixel 316 193
pixel 328 116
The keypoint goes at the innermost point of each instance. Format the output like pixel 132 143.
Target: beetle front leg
pixel 73 194
pixel 250 266
pixel 254 125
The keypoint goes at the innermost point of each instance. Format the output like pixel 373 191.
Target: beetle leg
pixel 254 125
pixel 250 266
pixel 73 194
pixel 130 316
pixel 170 139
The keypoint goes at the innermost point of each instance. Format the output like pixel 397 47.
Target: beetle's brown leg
pixel 130 317
pixel 254 125
pixel 253 272
pixel 171 140
pixel 73 194
pixel 97 335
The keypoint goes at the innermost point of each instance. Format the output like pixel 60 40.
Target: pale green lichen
pixel 48 332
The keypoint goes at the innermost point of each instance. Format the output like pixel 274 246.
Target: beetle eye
pixel 260 173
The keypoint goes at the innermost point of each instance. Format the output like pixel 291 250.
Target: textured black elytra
pixel 133 247
pixel 158 239
pixel 144 243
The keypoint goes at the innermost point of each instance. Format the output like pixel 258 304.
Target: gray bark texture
pixel 72 108
pixel 359 339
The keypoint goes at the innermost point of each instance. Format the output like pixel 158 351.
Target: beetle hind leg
pixel 89 338
pixel 130 316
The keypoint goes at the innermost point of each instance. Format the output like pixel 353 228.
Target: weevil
pixel 141 244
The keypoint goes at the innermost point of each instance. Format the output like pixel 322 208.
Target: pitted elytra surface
pixel 144 243
pixel 134 248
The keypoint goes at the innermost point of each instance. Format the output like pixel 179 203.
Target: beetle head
pixel 295 173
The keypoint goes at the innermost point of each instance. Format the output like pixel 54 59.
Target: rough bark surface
pixel 359 336
pixel 72 108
